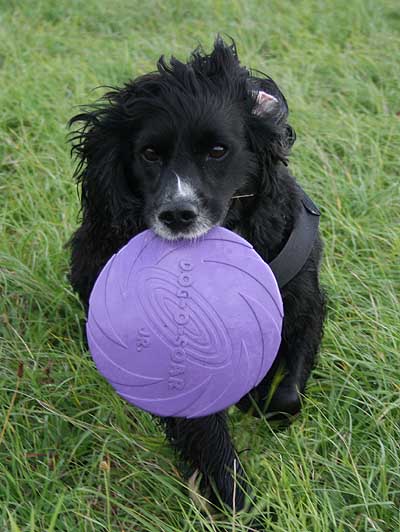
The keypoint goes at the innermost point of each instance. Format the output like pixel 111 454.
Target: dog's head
pixel 172 148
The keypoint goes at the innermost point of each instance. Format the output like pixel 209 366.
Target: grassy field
pixel 73 455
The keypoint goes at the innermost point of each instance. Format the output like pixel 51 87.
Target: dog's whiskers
pixel 243 196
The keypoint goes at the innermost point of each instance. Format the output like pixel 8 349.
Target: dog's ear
pixel 101 145
pixel 264 103
pixel 268 99
pixel 273 107
pixel 269 134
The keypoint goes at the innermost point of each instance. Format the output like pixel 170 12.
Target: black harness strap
pixel 299 245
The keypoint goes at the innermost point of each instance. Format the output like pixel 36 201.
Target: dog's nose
pixel 178 215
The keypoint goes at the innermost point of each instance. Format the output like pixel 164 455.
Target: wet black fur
pixel 112 213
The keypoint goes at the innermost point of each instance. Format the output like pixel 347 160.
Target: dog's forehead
pixel 191 119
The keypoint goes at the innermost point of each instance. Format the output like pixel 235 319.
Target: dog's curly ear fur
pixel 101 146
pixel 269 134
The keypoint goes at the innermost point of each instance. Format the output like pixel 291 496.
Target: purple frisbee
pixel 185 328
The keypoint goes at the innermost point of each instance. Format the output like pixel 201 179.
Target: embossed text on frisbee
pixel 176 379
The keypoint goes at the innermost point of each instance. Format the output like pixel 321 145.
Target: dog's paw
pixel 282 407
pixel 199 494
pixel 284 402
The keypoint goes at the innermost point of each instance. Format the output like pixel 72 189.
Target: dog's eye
pixel 217 152
pixel 150 155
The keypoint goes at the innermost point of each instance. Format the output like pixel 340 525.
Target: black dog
pixel 180 150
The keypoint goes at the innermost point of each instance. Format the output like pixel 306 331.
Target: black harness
pixel 298 247
pixel 299 244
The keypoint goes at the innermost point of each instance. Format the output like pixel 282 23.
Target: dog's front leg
pixel 300 344
pixel 206 445
pixel 301 337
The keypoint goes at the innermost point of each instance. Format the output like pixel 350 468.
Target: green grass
pixel 73 455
